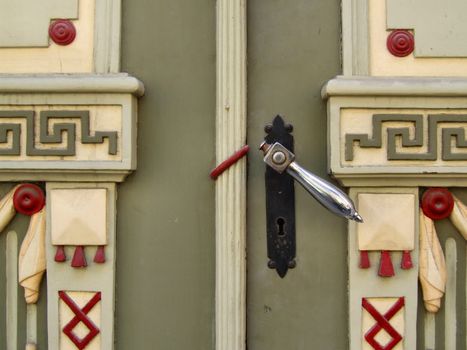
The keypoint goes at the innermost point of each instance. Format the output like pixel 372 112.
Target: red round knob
pixel 437 203
pixel 62 32
pixel 400 43
pixel 28 199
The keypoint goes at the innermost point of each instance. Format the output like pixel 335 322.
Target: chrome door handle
pixel 331 197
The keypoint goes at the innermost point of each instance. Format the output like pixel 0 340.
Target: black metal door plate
pixel 280 204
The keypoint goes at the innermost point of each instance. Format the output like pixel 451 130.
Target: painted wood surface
pixel 75 58
pixel 364 43
pixel 367 284
pixel 380 229
pixel 176 150
pixel 432 266
pixel 12 291
pixel 231 214
pixel 95 278
pixel 96 48
pixel 451 313
pixel 459 217
pixel 25 24
pixel 32 257
pixel 7 209
pixel 116 113
pixel 79 217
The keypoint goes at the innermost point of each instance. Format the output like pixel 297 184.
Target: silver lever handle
pixel 331 197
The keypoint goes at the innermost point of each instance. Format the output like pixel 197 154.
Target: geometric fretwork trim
pixel 364 140
pixel 56 136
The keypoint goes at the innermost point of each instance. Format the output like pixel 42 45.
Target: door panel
pixel 166 261
pixel 293 48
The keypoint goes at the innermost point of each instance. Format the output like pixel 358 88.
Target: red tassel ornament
pixel 79 258
pixel 386 269
pixel 60 255
pixel 364 260
pixel 406 263
pixel 99 258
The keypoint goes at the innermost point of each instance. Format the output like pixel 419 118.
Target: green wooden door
pixel 293 49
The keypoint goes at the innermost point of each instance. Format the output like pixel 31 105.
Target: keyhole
pixel 280 225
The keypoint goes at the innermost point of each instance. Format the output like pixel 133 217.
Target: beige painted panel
pixel 102 118
pixel 25 23
pixel 66 315
pixel 77 57
pixel 359 121
pixel 383 63
pixel 389 221
pixel 79 216
pixel 382 305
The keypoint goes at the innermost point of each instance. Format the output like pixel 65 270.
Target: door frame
pixel 231 117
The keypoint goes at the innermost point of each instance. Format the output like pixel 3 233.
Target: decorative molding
pixel 342 86
pixel 121 83
pixel 432 268
pixel 56 137
pixel 458 132
pixel 79 220
pixel 355 37
pixel 384 322
pixel 107 35
pixel 231 214
pixel 81 284
pixel 80 315
pixel 365 283
pixel 352 102
pixel 109 102
pixel 32 261
pixel 373 232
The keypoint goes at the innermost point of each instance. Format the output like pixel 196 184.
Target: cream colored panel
pixel 360 121
pixel 389 221
pixel 25 23
pixel 102 118
pixel 382 63
pixel 81 331
pixel 79 216
pixel 382 305
pixel 32 261
pixel 74 58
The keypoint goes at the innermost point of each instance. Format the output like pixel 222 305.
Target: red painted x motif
pixel 80 316
pixel 382 322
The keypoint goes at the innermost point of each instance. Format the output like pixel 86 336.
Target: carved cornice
pixel 400 86
pixel 66 83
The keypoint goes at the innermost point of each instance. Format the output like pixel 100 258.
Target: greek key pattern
pixel 447 134
pixel 54 137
